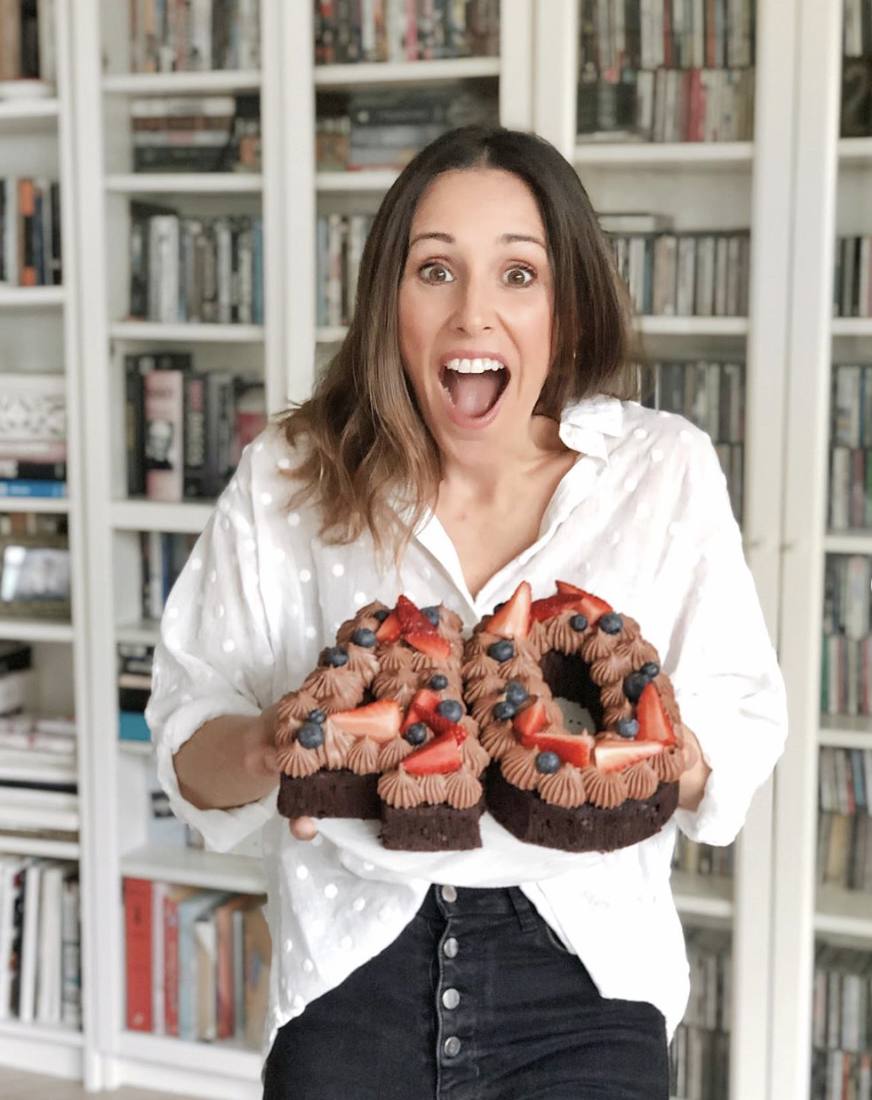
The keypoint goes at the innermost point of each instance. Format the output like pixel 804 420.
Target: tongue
pixel 474 394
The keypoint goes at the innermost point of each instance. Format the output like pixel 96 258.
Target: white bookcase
pixel 777 185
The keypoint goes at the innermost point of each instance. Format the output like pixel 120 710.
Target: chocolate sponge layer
pixel 582 829
pixel 431 828
pixel 329 794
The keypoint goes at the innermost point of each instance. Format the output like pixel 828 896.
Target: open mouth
pixel 474 386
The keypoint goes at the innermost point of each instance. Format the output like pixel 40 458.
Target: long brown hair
pixel 368 452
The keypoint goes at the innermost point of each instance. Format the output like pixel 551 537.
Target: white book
pixel 45 16
pixel 10 231
pixel 48 974
pixel 29 944
pixel 163 268
pixel 200 42
pixel 158 978
pixel 71 967
pixel 9 868
pixel 847 405
pixel 16 690
pixel 857 597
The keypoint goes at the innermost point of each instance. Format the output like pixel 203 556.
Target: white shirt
pixel 643 520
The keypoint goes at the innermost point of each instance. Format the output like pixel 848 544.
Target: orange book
pixel 137 936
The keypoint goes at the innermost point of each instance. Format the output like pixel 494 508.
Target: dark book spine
pixel 38 243
pixel 134 411
pixel 15 658
pixel 196 473
pixel 12 469
pixel 55 261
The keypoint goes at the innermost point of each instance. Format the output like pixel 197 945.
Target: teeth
pixel 473 366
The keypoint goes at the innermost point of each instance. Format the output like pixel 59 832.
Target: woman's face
pixel 475 306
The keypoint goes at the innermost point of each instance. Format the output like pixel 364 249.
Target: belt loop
pixel 524 911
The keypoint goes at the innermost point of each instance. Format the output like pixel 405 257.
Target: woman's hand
pixel 691 785
pixel 263 757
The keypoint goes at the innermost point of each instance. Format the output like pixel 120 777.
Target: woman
pixel 462 440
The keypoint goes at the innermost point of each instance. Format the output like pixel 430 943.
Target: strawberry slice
pixel 444 725
pixel 553 605
pixel 390 630
pixel 592 607
pixel 513 618
pixel 572 748
pixel 438 757
pixel 421 708
pixel 614 756
pixel 532 718
pixel 431 644
pixel 564 588
pixel 412 621
pixel 379 720
pixel 654 724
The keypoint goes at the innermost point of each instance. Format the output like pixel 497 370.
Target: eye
pixel 527 275
pixel 445 275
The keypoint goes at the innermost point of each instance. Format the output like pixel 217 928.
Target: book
pixel 138 939
pixel 163 410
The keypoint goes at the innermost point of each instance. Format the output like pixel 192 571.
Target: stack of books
pixel 186 429
pixel 852 285
pixel 655 71
pixel 33 435
pixel 340 239
pixel 850 474
pixel 194 37
pixel 40 976
pixel 700 1052
pixel 30 232
pixel 163 555
pixel 702 859
pixel 856 117
pixel 391 30
pixel 198 962
pixel 841 1035
pixel 219 133
pixel 844 821
pixel 846 650
pixel 27 49
pixel 197 270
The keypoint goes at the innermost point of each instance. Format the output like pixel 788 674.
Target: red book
pixel 137 934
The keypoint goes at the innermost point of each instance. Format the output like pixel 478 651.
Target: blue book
pixel 21 487
pixel 132 726
pixel 189 911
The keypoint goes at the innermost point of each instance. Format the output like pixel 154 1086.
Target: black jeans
pixel 475 1000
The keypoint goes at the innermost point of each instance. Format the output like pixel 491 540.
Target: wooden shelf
pixel 703 895
pixel 709 155
pixel 222 80
pixel 180 183
pixel 30 630
pixel 186 517
pixel 32 297
pixel 151 331
pixel 194 867
pixel 405 72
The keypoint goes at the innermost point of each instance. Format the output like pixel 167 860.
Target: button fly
pixel 451 998
pixel 451 1046
pixel 449 893
pixel 450 948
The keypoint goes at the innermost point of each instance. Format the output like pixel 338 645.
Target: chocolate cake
pixel 553 782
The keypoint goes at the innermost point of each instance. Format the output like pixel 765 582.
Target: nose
pixel 474 311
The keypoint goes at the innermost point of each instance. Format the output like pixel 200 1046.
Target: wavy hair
pixel 369 460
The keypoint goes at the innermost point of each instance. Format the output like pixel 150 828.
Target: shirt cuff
pixel 221 829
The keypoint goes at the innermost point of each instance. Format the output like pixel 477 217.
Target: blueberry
pixel 380 615
pixel 310 735
pixel 335 657
pixel 650 669
pixel 628 727
pixel 516 692
pixel 431 613
pixel 611 623
pixel 578 622
pixel 505 710
pixel 364 637
pixel 548 763
pixel 450 709
pixel 634 685
pixel 317 716
pixel 438 682
pixel 501 651
pixel 416 734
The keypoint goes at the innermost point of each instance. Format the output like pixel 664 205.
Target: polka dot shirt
pixel 643 520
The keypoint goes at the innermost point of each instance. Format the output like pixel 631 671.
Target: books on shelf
pixel 197 962
pixel 846 650
pixel 193 35
pixel 699 1056
pixel 852 284
pixel 702 859
pixel 850 472
pixel 134 688
pixel 41 735
pixel 217 133
pixel 856 113
pixel 844 855
pixel 841 1015
pixel 27 48
pixel 396 30
pixel 340 239
pixel 33 435
pixel 185 429
pixel 40 972
pixel 30 232
pixel 163 554
pixel 198 270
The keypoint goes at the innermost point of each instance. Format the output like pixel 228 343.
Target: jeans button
pixel 450 948
pixel 451 1046
pixel 448 893
pixel 451 998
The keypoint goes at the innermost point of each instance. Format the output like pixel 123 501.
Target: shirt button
pixel 448 893
pixel 451 998
pixel 451 1046
pixel 450 948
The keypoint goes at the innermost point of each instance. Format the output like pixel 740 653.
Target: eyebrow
pixel 506 238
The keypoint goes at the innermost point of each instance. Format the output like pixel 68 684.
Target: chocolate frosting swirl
pixel 490 685
pixel 613 715
pixel 639 652
pixel 433 789
pixel 462 789
pixel 389 684
pixel 480 666
pixel 291 713
pixel 604 789
pixel 362 757
pixel 612 695
pixel 608 670
pixel 468 723
pixel 669 764
pixel 362 661
pixel 399 790
pixel 474 756
pixel 343 687
pixel 450 621
pixel 520 667
pixel 360 621
pixel 631 630
pixel 641 780
pixel 597 645
pixel 562 788
pixel 392 752
pixel 420 661
pixel 296 761
pixel 519 767
pixel 394 658
pixel 498 739
pixel 481 708
pixel 336 747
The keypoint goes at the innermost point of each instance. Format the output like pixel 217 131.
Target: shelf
pixel 226 1058
pixel 149 331
pixel 44 1033
pixel 331 335
pixel 34 504
pixel 357 182
pixel 702 895
pixel 226 80
pixel 144 632
pixel 185 517
pixel 30 630
pixel 194 867
pixel 845 731
pixel 32 297
pixel 405 72
pixel 710 155
pixel 33 765
pixel 848 542
pixel 55 1051
pixel 856 151
pixel 648 325
pixel 49 849
pixel 20 113
pixel 135 748
pixel 217 183
pixel 843 912
pixel 851 326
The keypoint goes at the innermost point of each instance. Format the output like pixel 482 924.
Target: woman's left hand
pixel 691 786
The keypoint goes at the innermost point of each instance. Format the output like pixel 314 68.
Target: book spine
pixel 164 426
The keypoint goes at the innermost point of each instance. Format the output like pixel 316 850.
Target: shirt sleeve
pixel 720 659
pixel 214 656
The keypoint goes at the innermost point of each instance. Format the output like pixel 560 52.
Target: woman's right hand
pixel 303 828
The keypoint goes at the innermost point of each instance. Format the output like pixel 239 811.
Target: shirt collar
pixel 585 425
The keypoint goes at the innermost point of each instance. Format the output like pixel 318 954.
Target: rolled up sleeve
pixel 214 656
